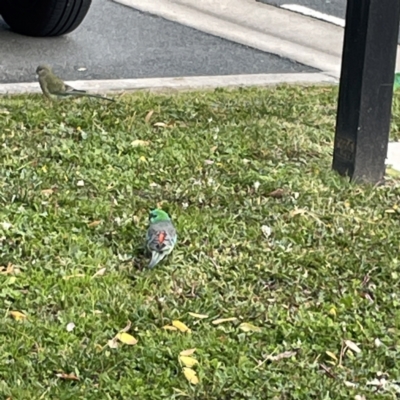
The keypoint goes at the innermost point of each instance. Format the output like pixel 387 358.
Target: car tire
pixel 44 17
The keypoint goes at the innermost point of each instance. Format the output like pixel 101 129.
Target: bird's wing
pixel 54 84
pixel 71 90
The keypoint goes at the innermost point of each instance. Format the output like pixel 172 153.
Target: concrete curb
pixel 182 83
pixel 298 37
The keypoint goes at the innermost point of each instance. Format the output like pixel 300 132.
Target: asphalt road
pixel 116 42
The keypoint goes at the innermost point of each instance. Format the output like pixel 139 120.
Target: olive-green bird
pixel 52 85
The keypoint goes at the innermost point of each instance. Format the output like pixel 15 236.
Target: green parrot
pixel 51 84
pixel 161 236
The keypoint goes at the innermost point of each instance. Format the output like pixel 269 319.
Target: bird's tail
pixel 81 93
pixel 156 257
pixel 98 97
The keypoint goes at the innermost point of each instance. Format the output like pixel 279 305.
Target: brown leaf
pixel 94 223
pixel 68 377
pixel 327 371
pixel 277 193
pixel 9 270
pixel 148 116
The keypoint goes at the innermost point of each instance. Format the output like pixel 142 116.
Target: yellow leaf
pixel 170 328
pixel 246 327
pixel 148 116
pixel 187 352
pixel 44 169
pixel 181 326
pixel 18 316
pixel 222 320
pixel 201 316
pixel 142 158
pixel 188 361
pixel 331 355
pixel 137 143
pixel 190 375
pixel 160 124
pixel 126 338
pixel 47 192
pixel 332 311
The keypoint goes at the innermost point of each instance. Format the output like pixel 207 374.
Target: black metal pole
pixel 366 88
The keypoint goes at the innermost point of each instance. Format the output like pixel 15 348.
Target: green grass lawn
pixel 320 290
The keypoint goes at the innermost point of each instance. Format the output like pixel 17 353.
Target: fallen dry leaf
pixel 126 338
pixel 201 316
pixel 266 230
pixel 170 328
pixel 327 371
pixel 280 356
pixel 190 375
pixel 187 352
pixel 99 272
pixel 70 327
pixel 94 223
pixel 138 143
pixel 127 327
pixel 277 193
pixel 9 270
pixel 181 326
pixel 188 361
pixel 246 327
pixel 73 276
pixel 222 320
pixel 352 346
pixel 331 355
pixel 18 316
pixel 47 192
pixel 112 343
pixel 68 377
pixel 148 116
pixel 162 124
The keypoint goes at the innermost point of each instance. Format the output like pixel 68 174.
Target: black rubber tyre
pixel 44 17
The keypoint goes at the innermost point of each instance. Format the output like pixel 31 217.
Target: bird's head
pixel 43 70
pixel 158 215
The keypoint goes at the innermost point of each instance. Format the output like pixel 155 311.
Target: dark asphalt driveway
pixel 116 42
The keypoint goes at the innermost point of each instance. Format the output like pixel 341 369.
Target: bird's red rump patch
pixel 161 237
